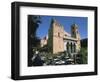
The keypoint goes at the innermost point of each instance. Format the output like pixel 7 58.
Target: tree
pixel 84 55
pixel 34 22
pixel 33 40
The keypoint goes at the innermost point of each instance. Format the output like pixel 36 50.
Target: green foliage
pixel 84 55
pixel 33 40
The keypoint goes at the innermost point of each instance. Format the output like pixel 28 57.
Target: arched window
pixel 74 47
pixel 67 46
pixel 58 34
pixel 71 47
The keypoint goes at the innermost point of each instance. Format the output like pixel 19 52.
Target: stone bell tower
pixel 55 40
pixel 75 34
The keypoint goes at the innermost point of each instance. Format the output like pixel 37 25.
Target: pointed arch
pixel 71 47
pixel 67 46
pixel 74 47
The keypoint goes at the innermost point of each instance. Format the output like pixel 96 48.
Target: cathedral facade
pixel 58 40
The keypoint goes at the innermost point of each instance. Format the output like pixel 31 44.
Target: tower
pixel 75 34
pixel 55 40
pixel 74 31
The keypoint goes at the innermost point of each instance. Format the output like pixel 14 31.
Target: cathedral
pixel 58 40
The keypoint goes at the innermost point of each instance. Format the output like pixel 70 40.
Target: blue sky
pixel 66 21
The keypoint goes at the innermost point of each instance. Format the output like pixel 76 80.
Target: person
pixel 34 55
pixel 37 59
